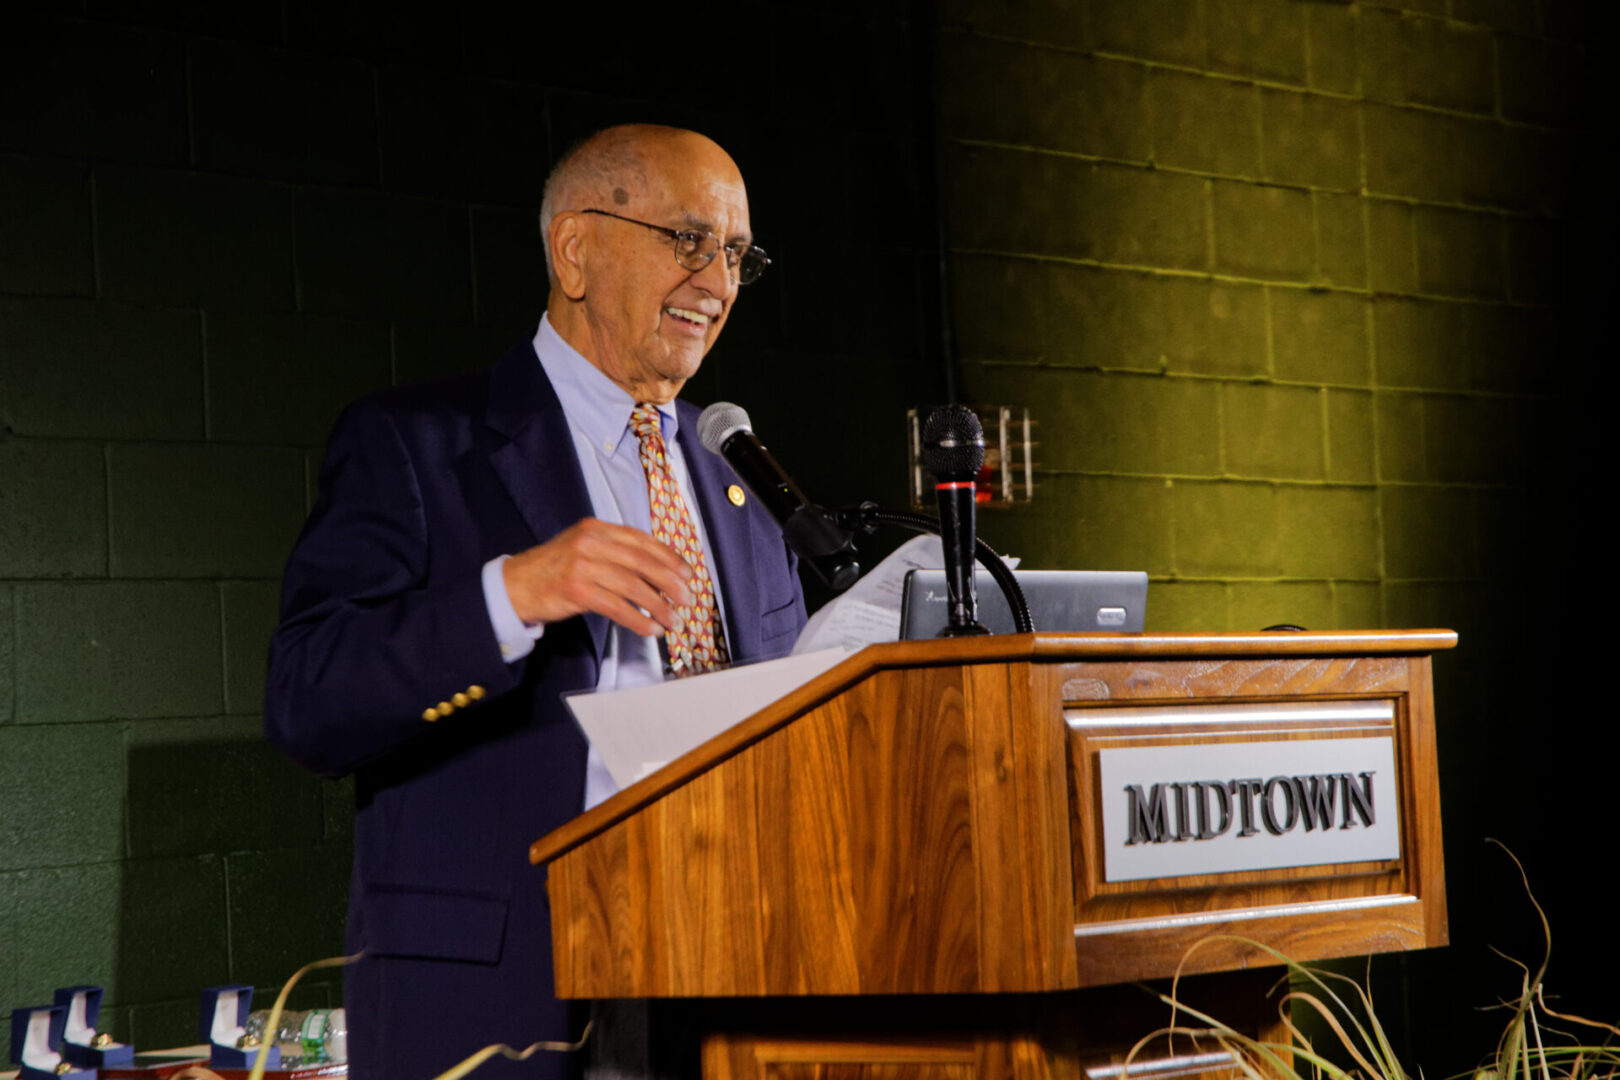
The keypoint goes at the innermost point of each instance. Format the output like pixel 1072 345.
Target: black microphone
pixel 953 450
pixel 809 530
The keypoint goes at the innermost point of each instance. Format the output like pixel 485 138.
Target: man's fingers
pixel 625 586
pixel 601 567
pixel 626 614
pixel 655 562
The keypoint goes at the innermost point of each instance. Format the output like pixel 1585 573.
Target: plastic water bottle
pixel 313 1037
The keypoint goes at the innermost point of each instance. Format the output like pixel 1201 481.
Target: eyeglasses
pixel 695 249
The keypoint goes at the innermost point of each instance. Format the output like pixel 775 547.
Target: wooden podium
pixel 896 871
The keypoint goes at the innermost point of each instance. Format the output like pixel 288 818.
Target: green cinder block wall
pixel 1302 297
pixel 218 224
pixel 1288 285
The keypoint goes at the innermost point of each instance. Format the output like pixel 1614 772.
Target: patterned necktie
pixel 700 644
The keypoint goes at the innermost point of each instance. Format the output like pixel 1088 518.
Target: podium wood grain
pixel 922 820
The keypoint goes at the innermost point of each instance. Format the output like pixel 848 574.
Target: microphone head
pixel 719 422
pixel 953 444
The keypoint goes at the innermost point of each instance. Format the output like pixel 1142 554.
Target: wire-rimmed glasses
pixel 695 249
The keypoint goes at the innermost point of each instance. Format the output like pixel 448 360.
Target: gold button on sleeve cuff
pixel 460 701
pixel 475 692
pixel 445 708
pixel 430 715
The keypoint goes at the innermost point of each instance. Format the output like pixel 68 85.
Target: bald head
pixel 618 166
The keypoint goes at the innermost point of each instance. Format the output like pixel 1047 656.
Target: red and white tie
pixel 700 643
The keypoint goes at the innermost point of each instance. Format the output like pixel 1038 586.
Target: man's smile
pixel 688 316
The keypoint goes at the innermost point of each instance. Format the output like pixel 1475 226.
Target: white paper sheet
pixel 638 731
pixel 869 612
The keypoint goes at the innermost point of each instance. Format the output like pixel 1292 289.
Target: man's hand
pixel 613 570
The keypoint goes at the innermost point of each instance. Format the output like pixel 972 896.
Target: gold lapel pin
pixel 735 494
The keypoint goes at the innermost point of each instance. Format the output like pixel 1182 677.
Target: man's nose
pixel 716 278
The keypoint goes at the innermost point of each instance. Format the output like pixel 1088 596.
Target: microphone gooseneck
pixel 811 532
pixel 953 450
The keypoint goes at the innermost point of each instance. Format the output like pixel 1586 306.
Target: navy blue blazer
pixel 383 617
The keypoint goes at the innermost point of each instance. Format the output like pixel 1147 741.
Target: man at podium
pixel 486 543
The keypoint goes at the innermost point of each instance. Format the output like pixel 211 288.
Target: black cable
pixel 867 516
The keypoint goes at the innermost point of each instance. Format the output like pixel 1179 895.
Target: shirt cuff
pixel 516 638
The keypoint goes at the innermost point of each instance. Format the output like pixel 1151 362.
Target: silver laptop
pixel 1111 601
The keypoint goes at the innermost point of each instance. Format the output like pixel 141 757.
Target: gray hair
pixel 605 166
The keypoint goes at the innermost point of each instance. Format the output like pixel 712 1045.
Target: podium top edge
pixel 997 648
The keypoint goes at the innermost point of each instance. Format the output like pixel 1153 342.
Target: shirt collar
pixel 594 403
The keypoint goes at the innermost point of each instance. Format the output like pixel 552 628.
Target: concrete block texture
pixel 189 238
pixel 53 509
pixel 45 242
pixel 1261 39
pixel 1171 31
pixel 91 651
pixel 1351 453
pixel 430 350
pixel 189 510
pixel 1319 336
pixel 171 942
pixel 509 270
pixel 1426 61
pixel 1203 124
pixel 8 677
pixel 368 254
pixel 61 793
pixel 1079 316
pixel 1330 31
pixel 1341 240
pixel 302 893
pixel 81 369
pixel 1186 607
pixel 1475 439
pixel 1255 605
pixel 93 90
pixel 51 907
pixel 1226 530
pixel 1450 345
pixel 1358 605
pixel 1263 232
pixel 1391 247
pixel 281 114
pixel 444 135
pixel 1430 533
pixel 1402 442
pixel 151 940
pixel 1274 432
pixel 283 378
pixel 1327 531
pixel 1461 253
pixel 250 612
pixel 1091 522
pixel 1045 98
pixel 1309 139
pixel 1113 422
pixel 1108 213
pixel 213 785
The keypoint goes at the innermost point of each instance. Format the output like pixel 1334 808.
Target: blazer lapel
pixel 535 459
pixel 730 537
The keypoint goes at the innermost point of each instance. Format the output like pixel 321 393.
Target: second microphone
pixel 809 530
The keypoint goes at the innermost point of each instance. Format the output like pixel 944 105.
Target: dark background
pixel 1305 297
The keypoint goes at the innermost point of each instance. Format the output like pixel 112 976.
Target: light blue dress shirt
pixel 598 412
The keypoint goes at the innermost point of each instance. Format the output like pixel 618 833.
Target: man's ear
pixel 568 255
